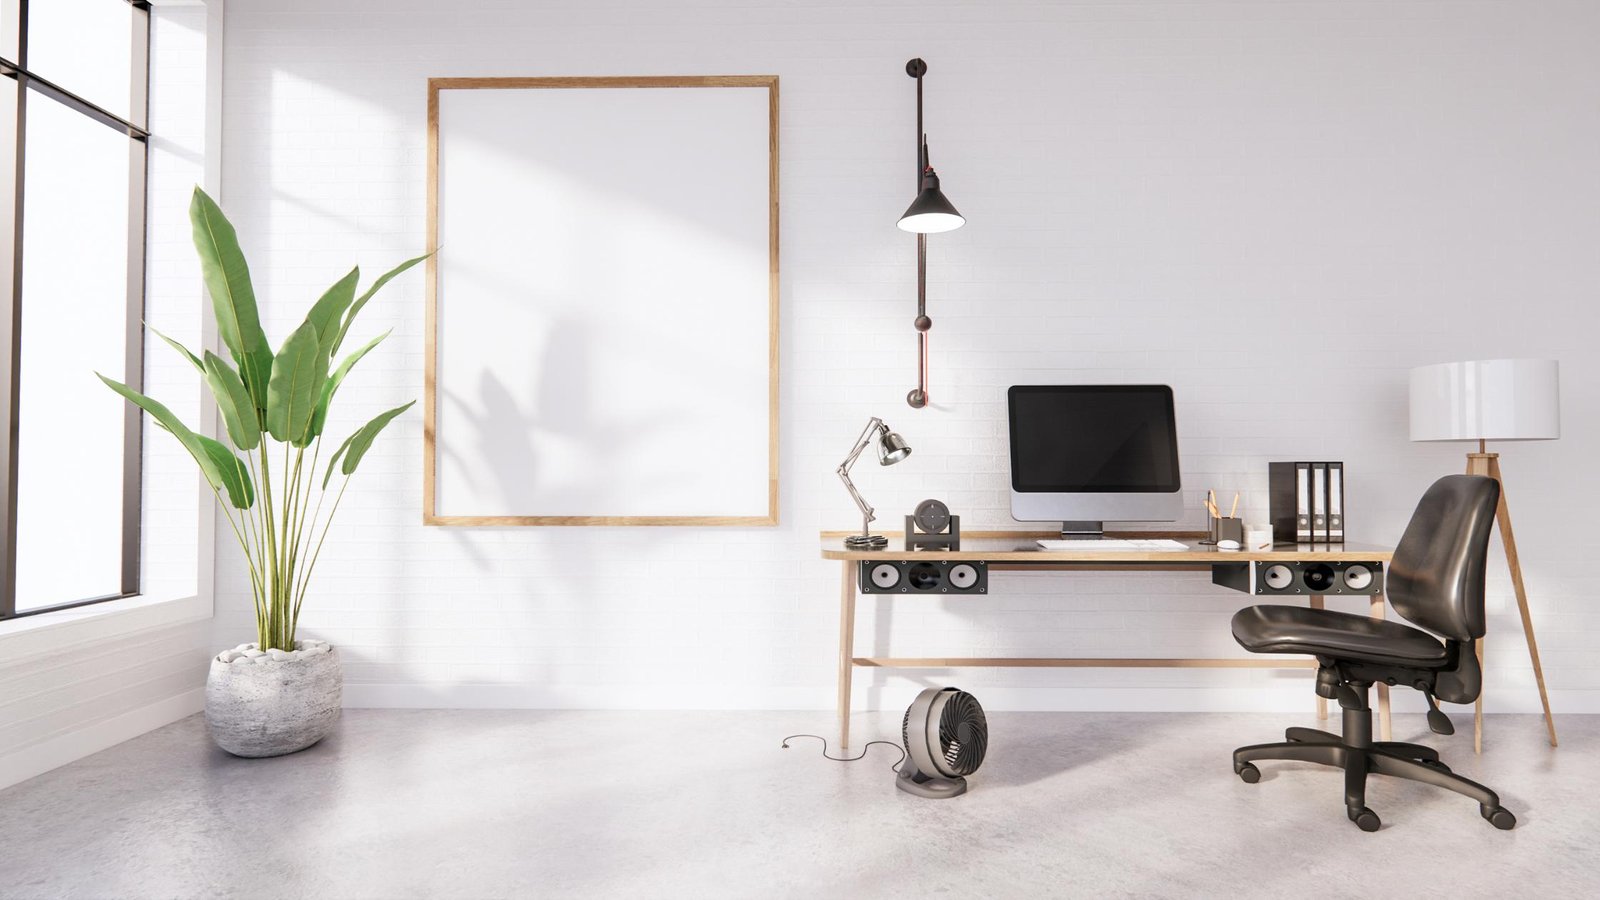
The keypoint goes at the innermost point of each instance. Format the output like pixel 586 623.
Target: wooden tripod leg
pixel 1477 709
pixel 1478 464
pixel 1509 541
pixel 1385 732
pixel 1322 703
pixel 847 645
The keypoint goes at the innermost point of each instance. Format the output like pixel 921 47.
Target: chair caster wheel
pixel 1498 816
pixel 1365 819
pixel 1248 773
pixel 1435 764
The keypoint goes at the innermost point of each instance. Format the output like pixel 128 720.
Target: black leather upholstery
pixel 1323 632
pixel 1436 577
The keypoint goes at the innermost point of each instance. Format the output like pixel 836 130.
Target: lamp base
pixel 866 542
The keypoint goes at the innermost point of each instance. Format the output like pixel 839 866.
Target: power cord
pixel 862 754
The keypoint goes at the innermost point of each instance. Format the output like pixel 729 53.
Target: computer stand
pixel 1089 531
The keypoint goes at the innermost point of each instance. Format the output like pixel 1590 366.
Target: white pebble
pixel 252 653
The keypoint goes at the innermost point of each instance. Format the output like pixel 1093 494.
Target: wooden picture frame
pixel 692 459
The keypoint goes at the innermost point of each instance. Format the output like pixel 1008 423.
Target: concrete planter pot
pixel 272 703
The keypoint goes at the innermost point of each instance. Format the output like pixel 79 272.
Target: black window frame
pixel 29 86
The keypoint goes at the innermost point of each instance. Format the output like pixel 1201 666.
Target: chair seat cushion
pixel 1322 632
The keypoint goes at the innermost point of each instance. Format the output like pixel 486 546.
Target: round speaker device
pixel 885 576
pixel 924 576
pixel 1277 576
pixel 1319 578
pixel 932 516
pixel 1357 577
pixel 963 576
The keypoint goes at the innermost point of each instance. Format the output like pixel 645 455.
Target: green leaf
pixel 235 477
pixel 227 278
pixel 328 312
pixel 333 461
pixel 331 386
pixel 238 412
pixel 194 360
pixel 383 279
pixel 357 445
pixel 297 377
pixel 165 418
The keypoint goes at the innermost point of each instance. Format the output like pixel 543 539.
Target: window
pixel 72 207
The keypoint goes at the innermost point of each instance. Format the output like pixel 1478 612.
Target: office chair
pixel 1435 581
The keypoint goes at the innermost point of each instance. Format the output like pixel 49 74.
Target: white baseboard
pixel 1287 698
pixel 36 759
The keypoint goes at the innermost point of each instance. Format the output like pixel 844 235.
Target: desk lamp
pixel 1492 400
pixel 891 449
pixel 929 214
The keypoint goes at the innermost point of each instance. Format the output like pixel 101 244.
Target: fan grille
pixel 963 733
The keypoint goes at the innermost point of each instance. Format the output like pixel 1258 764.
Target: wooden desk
pixel 1017 550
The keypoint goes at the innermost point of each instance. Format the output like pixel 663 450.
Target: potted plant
pixel 278 694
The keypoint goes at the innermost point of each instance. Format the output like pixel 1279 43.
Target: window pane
pixel 74 319
pixel 85 46
pixel 10 16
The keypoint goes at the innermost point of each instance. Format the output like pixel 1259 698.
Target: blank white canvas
pixel 603 302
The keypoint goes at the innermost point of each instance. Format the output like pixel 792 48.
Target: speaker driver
pixel 1357 577
pixel 963 576
pixel 885 576
pixel 1277 576
pixel 1319 578
pixel 925 576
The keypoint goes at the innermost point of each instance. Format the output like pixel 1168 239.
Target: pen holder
pixel 1226 529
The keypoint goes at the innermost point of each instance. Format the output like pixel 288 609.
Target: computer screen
pixel 1093 439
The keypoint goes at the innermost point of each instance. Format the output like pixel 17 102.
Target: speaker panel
pixel 924 576
pixel 1302 579
pixel 1313 578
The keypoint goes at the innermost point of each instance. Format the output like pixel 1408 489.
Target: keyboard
pixel 1113 544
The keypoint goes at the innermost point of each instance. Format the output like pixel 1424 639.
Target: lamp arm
pixel 867 512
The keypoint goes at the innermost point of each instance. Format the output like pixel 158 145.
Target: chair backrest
pixel 1436 577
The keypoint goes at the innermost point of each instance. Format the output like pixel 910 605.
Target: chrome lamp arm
pixel 875 426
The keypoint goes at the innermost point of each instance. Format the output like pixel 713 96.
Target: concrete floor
pixel 508 803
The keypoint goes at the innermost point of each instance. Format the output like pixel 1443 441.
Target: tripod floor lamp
pixel 1492 400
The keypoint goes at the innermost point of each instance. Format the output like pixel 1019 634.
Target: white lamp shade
pixel 1487 399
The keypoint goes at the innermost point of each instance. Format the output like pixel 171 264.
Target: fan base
pixel 932 787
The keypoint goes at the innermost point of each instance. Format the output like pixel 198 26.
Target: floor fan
pixel 945 735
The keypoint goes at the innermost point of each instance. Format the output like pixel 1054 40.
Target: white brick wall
pixel 1276 208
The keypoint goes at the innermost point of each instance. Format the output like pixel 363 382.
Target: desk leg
pixel 1322 703
pixel 847 644
pixel 1384 731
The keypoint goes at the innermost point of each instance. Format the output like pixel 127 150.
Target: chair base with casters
pixel 1359 756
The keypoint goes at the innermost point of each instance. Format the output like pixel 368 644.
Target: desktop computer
pixel 1086 454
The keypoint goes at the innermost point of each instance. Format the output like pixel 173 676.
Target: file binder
pixel 1319 501
pixel 1289 501
pixel 1336 502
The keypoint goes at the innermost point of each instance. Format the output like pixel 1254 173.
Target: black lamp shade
pixel 931 213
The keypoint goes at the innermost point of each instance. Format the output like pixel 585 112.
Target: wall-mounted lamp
pixel 891 449
pixel 930 213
